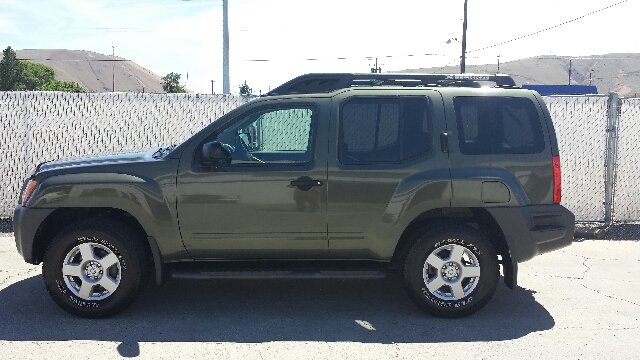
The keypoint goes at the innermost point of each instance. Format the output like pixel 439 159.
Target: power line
pixel 344 58
pixel 182 4
pixel 83 60
pixel 452 63
pixel 579 58
pixel 475 50
pixel 549 28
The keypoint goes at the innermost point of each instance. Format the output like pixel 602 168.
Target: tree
pixel 171 83
pixel 57 85
pixel 245 89
pixel 10 69
pixel 34 76
pixel 23 75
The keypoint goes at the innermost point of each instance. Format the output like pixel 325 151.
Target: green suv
pixel 435 177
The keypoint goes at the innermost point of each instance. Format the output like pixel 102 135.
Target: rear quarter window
pixel 498 125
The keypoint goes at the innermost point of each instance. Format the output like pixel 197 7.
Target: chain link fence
pixel 580 123
pixel 626 201
pixel 599 145
pixel 284 130
pixel 38 126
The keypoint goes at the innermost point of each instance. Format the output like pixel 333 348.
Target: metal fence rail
pixel 626 202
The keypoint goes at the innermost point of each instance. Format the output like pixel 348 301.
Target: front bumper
pixel 26 222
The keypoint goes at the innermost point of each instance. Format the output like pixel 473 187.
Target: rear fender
pixel 486 187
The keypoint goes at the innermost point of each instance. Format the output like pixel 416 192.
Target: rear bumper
pixel 26 222
pixel 535 229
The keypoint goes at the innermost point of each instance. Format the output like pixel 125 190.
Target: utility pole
pixel 498 64
pixel 376 69
pixel 569 71
pixel 113 70
pixel 212 81
pixel 464 39
pixel 226 87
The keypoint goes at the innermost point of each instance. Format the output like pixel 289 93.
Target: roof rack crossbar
pixel 314 83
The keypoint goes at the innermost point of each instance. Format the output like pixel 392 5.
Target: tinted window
pixel 377 130
pixel 498 125
pixel 270 136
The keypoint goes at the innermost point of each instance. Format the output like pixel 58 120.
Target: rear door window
pixel 382 130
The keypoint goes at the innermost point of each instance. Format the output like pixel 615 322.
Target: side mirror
pixel 211 153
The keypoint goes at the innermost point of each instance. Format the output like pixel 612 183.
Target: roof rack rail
pixel 315 83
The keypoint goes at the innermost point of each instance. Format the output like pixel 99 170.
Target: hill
pixel 610 72
pixel 96 72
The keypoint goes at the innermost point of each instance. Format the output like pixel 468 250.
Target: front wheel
pixel 451 271
pixel 94 268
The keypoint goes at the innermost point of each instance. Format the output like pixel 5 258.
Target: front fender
pixel 150 201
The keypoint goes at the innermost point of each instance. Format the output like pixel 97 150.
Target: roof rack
pixel 315 83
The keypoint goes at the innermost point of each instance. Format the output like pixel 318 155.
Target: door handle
pixel 305 183
pixel 444 141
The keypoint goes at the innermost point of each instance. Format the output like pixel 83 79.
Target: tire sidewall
pixel 65 298
pixel 470 240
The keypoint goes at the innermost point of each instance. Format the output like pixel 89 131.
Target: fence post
pixel 613 105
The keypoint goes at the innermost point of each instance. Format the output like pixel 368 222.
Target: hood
pixel 150 155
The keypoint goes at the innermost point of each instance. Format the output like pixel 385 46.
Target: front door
pixel 267 197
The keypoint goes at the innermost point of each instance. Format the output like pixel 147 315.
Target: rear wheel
pixel 95 268
pixel 451 271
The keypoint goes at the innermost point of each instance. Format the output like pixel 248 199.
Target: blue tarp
pixel 562 89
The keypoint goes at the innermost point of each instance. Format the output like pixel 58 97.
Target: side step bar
pixel 276 274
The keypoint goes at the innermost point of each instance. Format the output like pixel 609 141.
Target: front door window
pixel 270 136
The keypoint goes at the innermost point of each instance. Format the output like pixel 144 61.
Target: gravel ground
pixel 6 227
pixel 623 231
pixel 617 231
pixel 580 302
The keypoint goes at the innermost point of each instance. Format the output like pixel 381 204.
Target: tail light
pixel 557 180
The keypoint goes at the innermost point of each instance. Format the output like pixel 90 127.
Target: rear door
pixel 385 168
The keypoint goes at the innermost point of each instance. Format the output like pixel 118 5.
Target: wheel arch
pixel 63 217
pixel 478 218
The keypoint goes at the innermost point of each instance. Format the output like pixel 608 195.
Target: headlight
pixel 31 185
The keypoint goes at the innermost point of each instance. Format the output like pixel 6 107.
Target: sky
pixel 273 41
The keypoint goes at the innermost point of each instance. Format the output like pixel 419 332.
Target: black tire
pixel 451 289
pixel 97 252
